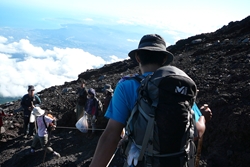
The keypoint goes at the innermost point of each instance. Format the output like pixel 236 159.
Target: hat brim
pixel 39 112
pixel 109 90
pixel 169 55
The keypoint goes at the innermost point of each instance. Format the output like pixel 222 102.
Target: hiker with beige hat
pixel 42 121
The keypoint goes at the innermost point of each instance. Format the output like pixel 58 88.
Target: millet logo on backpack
pixel 181 90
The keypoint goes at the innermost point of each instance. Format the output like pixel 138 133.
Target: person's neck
pixel 149 68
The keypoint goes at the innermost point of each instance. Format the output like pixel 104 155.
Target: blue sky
pixel 189 16
pixel 48 42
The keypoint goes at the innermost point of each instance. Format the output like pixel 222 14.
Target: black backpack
pixel 161 123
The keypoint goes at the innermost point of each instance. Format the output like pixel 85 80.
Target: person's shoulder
pixel 127 82
pixel 85 89
pixel 47 117
pixel 127 78
pixel 25 95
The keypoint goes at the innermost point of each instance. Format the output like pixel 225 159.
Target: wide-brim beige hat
pixel 37 111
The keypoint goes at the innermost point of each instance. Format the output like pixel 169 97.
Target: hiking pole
pixel 112 157
pixel 35 126
pixel 198 154
pixel 64 127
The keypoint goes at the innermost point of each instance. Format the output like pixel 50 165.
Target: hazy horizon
pixel 48 43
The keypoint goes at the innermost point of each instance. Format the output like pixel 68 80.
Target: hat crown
pixel 107 86
pixel 31 87
pixel 154 43
pixel 152 40
pixel 37 111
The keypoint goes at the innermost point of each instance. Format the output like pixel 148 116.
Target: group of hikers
pixel 40 121
pixel 88 104
pixel 152 115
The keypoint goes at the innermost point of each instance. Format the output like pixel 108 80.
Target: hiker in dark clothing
pixel 28 102
pixel 81 101
pixel 108 97
pixel 91 108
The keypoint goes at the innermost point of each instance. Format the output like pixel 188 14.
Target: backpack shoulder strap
pixel 138 78
pixel 37 99
pixel 44 122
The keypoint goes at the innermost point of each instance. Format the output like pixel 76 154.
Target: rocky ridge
pixel 219 63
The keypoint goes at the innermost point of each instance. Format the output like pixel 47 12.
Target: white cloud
pixel 42 68
pixel 3 39
pixel 132 40
pixel 114 58
pixel 126 22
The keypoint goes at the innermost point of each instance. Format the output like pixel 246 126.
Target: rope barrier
pixel 64 127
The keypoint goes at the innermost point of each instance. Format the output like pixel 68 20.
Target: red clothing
pixel 1 118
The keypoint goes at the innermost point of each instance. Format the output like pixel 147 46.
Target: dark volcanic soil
pixel 219 63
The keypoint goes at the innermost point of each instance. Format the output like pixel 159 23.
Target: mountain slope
pixel 218 62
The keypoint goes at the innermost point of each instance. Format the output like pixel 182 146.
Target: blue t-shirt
pixel 124 99
pixel 197 112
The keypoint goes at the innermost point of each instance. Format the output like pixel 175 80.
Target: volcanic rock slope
pixel 219 63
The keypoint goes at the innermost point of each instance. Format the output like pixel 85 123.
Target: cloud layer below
pixel 22 63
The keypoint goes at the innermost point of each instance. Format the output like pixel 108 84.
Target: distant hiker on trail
pixel 151 55
pixel 43 121
pixel 81 100
pixel 91 109
pixel 108 96
pixel 28 102
pixel 2 130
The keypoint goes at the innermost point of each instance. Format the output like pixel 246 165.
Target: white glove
pixel 133 155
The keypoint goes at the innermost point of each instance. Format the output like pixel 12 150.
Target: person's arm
pixel 107 144
pixel 78 90
pixel 23 103
pixel 50 120
pixel 96 107
pixel 201 126
pixel 201 123
pixel 206 112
